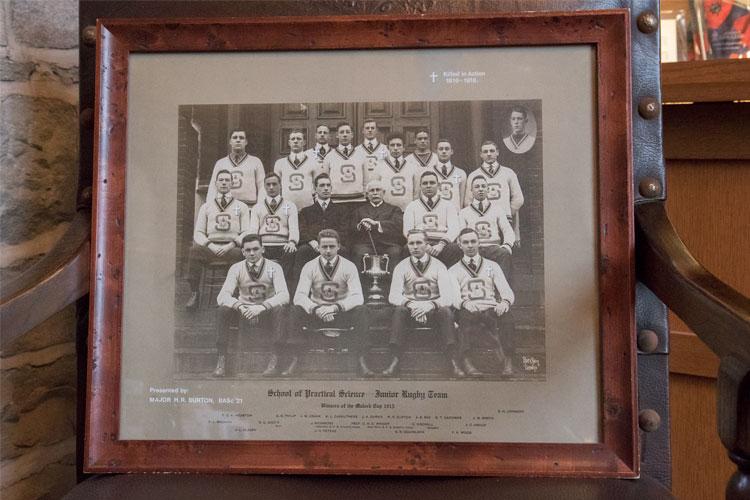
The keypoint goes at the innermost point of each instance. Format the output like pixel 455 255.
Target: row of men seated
pixel 351 167
pixel 375 227
pixel 424 292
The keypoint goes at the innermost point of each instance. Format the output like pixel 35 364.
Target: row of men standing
pixel 448 200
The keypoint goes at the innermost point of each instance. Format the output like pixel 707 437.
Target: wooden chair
pixel 666 270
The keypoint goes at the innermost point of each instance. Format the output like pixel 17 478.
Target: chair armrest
pixel 58 279
pixel 717 313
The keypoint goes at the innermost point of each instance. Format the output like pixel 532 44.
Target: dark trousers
pixel 358 317
pixel 486 323
pixel 199 256
pixel 272 321
pixel 503 259
pixel 441 319
pixel 286 261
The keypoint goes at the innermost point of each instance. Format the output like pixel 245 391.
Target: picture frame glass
pixel 181 108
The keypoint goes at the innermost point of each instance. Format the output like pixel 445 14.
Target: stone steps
pixel 342 363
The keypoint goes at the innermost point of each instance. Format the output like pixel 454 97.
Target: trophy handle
pixel 364 261
pixel 387 260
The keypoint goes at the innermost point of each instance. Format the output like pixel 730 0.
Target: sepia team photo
pixel 361 241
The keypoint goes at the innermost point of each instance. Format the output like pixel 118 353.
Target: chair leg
pixel 733 392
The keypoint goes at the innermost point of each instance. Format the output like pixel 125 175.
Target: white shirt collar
pixel 376 206
pixel 276 198
pixel 332 261
pixel 423 260
pixel 466 259
pixel 426 199
pixel 321 202
pixel 236 157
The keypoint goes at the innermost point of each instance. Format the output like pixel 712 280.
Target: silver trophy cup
pixel 376 268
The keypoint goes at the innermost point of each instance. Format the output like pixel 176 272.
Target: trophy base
pixel 375 299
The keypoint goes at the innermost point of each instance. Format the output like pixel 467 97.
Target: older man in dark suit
pixel 322 214
pixel 380 223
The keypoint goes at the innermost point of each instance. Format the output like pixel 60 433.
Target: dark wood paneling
pixel 700 467
pixel 707 131
pixel 690 356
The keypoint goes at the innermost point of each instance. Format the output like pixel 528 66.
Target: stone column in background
pixel 38 170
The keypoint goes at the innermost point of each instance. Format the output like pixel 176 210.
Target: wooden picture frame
pixel 615 454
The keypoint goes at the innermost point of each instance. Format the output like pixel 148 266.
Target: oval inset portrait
pixel 522 130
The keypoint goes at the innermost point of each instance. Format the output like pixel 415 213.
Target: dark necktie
pixel 395 162
pixel 324 205
pixel 223 202
pixel 296 161
pixel 346 150
pixel 420 266
pixel 254 271
pixel 445 170
pixel 369 146
pixel 273 204
pixel 329 268
pixel 430 203
pixel 322 152
pixel 472 265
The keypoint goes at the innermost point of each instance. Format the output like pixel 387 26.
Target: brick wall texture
pixel 38 169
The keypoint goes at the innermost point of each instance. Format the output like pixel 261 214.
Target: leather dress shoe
pixel 457 371
pixel 192 302
pixel 470 369
pixel 392 368
pixel 272 368
pixel 364 369
pixel 220 370
pixel 292 368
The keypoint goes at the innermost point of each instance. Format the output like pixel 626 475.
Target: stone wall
pixel 38 169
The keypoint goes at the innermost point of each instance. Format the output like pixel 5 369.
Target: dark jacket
pixel 391 220
pixel 313 219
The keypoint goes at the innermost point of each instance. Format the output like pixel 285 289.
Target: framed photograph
pixel 394 245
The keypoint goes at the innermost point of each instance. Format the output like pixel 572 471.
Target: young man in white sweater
pixel 276 221
pixel 329 293
pixel 438 219
pixel 496 236
pixel 246 171
pixel 484 297
pixel 422 292
pixel 261 302
pixel 221 224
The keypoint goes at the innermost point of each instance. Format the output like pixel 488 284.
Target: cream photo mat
pixel 563 409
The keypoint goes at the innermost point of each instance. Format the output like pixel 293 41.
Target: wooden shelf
pixel 706 81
